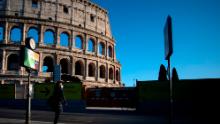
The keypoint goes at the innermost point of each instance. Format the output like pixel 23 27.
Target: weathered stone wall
pixel 74 17
pixel 81 13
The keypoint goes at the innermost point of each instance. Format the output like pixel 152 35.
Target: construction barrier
pixel 111 97
pixel 7 91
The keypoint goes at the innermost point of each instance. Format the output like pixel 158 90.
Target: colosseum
pixel 75 34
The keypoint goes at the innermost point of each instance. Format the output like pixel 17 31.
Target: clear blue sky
pixel 137 26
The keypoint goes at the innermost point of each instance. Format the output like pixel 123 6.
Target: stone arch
pixel 64 63
pixel 110 51
pixel 91 69
pixel 101 48
pixel 91 45
pixel 2 32
pixel 117 75
pixel 79 42
pixel 102 71
pixel 34 33
pixel 64 39
pixel 48 64
pixel 13 62
pixel 79 68
pixel 49 37
pixel 16 34
pixel 111 73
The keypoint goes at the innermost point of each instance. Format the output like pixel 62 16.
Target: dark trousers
pixel 56 118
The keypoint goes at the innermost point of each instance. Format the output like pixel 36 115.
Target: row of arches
pixel 101 47
pixel 48 66
pixel 49 39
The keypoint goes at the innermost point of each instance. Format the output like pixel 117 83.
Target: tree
pixel 162 73
pixel 175 76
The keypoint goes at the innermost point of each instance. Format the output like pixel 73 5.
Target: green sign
pixel 7 91
pixel 31 59
pixel 72 91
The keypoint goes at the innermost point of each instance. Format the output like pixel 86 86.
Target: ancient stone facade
pixel 73 33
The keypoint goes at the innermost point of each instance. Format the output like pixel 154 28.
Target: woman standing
pixel 59 99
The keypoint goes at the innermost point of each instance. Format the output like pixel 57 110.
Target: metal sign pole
pixel 171 92
pixel 168 52
pixel 28 100
pixel 168 69
pixel 30 60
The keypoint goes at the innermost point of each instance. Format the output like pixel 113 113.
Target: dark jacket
pixel 58 98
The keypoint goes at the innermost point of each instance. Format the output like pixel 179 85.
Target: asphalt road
pixel 91 116
pixel 14 116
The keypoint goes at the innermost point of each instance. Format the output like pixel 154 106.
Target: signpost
pixel 168 52
pixel 30 60
pixel 57 73
pixel 168 42
pixel 28 100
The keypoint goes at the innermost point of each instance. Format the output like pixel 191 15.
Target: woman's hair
pixel 59 82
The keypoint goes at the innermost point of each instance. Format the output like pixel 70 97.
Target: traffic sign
pixel 168 38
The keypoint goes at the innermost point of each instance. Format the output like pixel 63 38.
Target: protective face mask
pixel 61 86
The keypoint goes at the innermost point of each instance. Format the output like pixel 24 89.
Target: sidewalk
pixel 111 108
pixel 20 121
